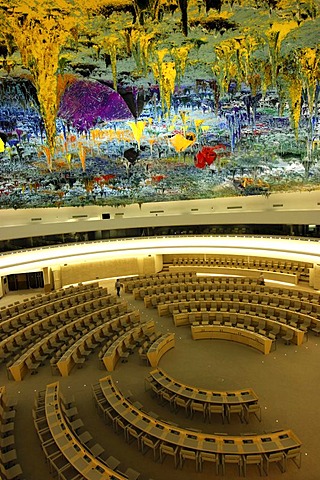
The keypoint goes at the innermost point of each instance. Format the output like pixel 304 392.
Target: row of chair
pixel 62 335
pixel 180 277
pixel 250 323
pixel 11 310
pixel 206 409
pixel 57 462
pixel 145 346
pixel 222 288
pixel 296 320
pixel 10 468
pixel 85 335
pixel 261 300
pixel 269 264
pixel 122 343
pixel 160 449
pixel 65 308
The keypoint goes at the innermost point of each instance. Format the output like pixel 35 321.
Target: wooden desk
pixel 77 454
pixel 160 347
pixel 19 368
pixel 46 319
pixel 214 306
pixel 243 272
pixel 112 355
pixel 252 339
pixel 201 442
pixel 66 362
pixel 243 396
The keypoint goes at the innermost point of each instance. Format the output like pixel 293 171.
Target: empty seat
pixel 216 409
pixel 198 407
pixel 278 458
pixel 254 409
pixel 183 403
pixel 288 337
pixel 189 455
pixel 209 457
pixel 231 459
pixel 293 454
pixel 149 443
pixel 255 459
pixel 235 409
pixel 166 449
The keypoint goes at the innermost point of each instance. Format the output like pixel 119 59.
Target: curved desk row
pixel 209 292
pixel 181 311
pixel 187 291
pixel 33 309
pixel 252 339
pixel 243 272
pixel 160 347
pixel 243 396
pixel 175 278
pixel 20 368
pixel 192 285
pixel 112 355
pixel 238 301
pixel 9 466
pixel 90 467
pixel 66 313
pixel 8 312
pixel 67 361
pixel 237 261
pixel 201 442
pixel 238 318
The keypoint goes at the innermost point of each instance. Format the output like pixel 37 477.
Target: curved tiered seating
pixel 161 382
pixel 158 432
pixel 63 447
pixel 158 348
pixel 266 264
pixel 60 329
pixel 124 344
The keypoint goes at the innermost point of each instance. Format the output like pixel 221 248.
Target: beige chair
pixel 293 454
pixel 288 337
pixel 173 451
pixel 183 403
pixel 149 443
pixel 131 474
pixel 235 409
pixel 278 458
pixel 11 471
pixel 189 455
pixel 168 397
pixel 209 457
pixel 254 409
pixel 198 407
pixel 231 459
pixel 133 434
pixel 255 459
pixel 216 409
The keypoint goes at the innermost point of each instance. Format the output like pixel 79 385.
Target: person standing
pixel 118 287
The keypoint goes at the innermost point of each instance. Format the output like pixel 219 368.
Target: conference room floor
pixel 287 382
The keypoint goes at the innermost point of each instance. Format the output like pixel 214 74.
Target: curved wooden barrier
pixel 239 335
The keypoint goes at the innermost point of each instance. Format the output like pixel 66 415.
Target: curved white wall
pixel 288 208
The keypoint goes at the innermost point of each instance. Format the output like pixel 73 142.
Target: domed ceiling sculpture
pixel 84 82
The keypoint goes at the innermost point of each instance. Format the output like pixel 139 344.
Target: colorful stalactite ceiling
pixel 262 43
